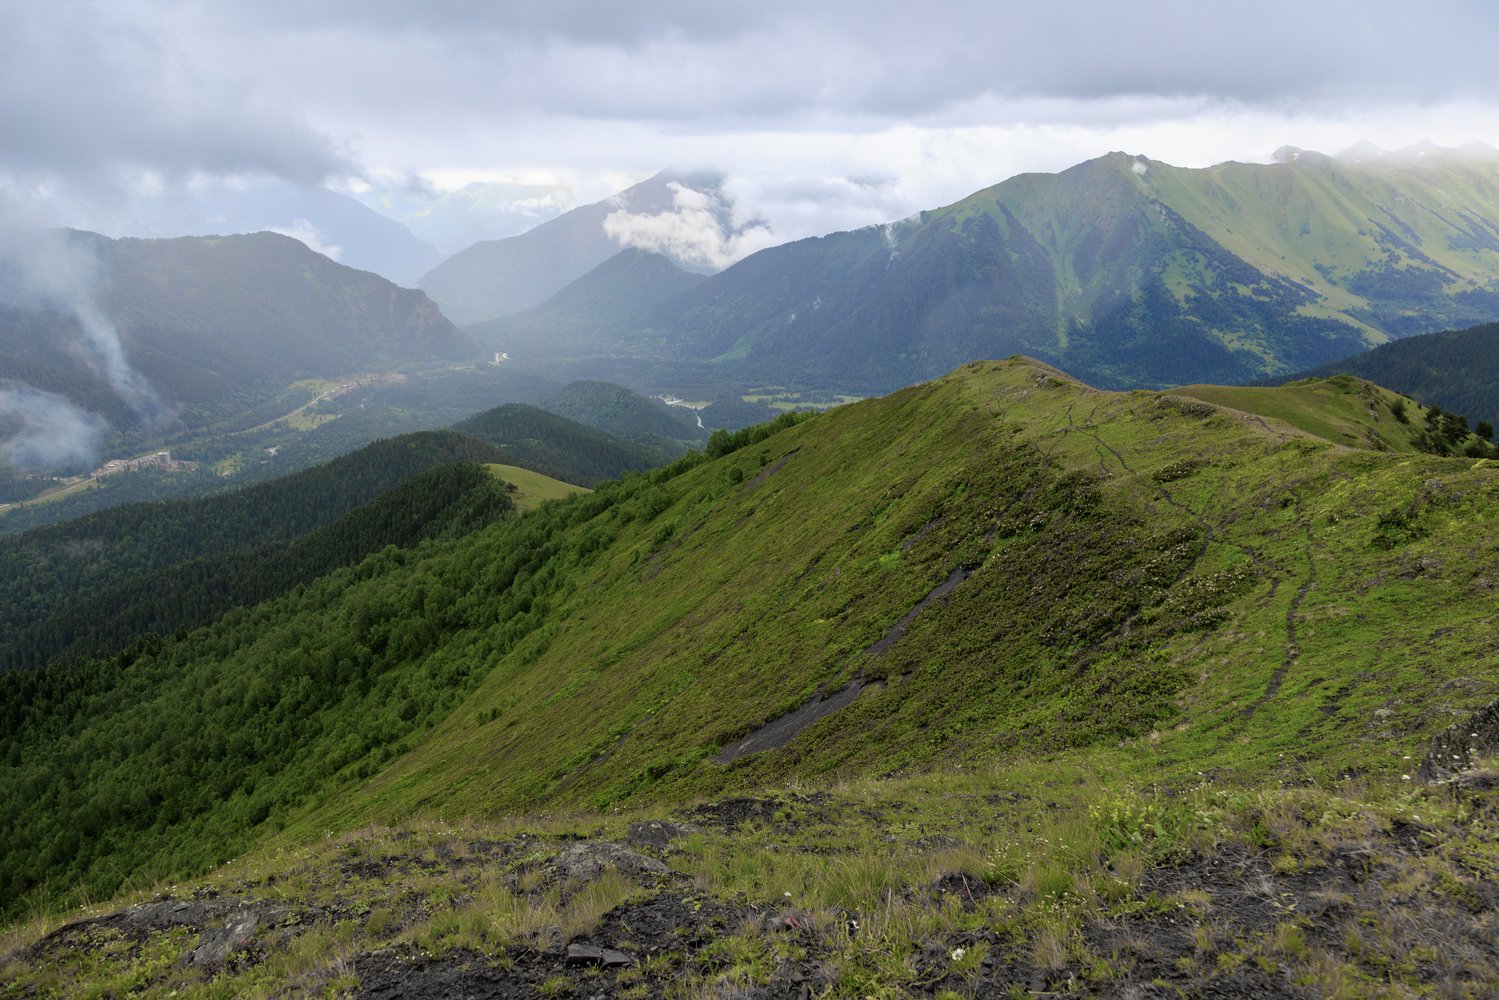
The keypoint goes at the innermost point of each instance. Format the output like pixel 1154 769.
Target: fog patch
pixel 59 271
pixel 46 431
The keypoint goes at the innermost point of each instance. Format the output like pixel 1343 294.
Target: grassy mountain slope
pixel 1346 410
pixel 1102 691
pixel 530 490
pixel 1156 578
pixel 1124 270
pixel 1139 563
pixel 1457 370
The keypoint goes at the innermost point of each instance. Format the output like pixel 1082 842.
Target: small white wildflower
pixel 786 894
pixel 1405 777
pixel 957 954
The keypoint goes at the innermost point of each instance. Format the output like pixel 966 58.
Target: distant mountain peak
pixel 1295 154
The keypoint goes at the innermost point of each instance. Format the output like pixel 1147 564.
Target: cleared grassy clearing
pixel 532 488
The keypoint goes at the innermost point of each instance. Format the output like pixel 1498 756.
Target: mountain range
pixel 1125 270
pixel 998 683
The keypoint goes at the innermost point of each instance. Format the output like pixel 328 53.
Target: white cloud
pixel 700 231
pixel 311 236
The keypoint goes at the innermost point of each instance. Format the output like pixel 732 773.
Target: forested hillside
pixel 63 570
pixel 103 617
pixel 616 410
pixel 213 733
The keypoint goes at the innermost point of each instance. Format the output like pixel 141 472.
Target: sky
pixel 822 116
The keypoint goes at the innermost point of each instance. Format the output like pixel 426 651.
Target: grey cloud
pixel 699 231
pixel 582 21
pixel 303 90
pixel 841 64
pixel 95 92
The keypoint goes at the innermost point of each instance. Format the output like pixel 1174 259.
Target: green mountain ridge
pixel 562 448
pixel 1051 646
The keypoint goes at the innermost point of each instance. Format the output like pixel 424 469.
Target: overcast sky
pixel 824 115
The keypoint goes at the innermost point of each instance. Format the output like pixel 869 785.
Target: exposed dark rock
pixel 587 954
pixel 657 833
pixel 779 731
pixel 218 942
pixel 1453 748
pixel 587 859
pixel 733 812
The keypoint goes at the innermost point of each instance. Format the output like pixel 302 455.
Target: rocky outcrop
pixel 1453 749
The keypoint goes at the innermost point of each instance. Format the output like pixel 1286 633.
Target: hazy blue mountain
pixel 454 220
pixel 99 334
pixel 591 312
